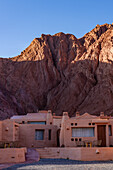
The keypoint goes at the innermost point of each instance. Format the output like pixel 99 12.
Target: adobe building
pixel 86 128
pixel 44 129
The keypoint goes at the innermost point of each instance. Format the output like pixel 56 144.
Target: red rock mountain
pixel 61 73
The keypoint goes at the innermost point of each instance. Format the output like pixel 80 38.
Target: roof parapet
pixel 102 114
pixel 54 114
pixel 49 111
pixel 65 113
pixel 77 114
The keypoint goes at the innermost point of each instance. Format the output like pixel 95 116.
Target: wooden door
pixel 101 131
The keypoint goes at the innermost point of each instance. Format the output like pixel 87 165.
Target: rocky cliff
pixel 61 73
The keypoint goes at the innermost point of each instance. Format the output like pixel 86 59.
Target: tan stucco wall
pixel 57 122
pixel 8 130
pixel 12 155
pixel 68 131
pixel 83 121
pixel 27 135
pixel 45 116
pixel 83 154
pixel 105 153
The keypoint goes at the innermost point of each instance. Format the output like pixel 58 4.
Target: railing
pixel 87 143
pixel 9 144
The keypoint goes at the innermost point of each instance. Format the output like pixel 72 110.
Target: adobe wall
pixel 105 153
pixel 8 130
pixel 16 132
pixel 78 153
pixel 67 124
pixel 12 155
pixel 60 153
pixel 45 116
pixel 57 122
pixel 66 131
pixel 27 135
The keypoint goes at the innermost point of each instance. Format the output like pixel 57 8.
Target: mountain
pixel 61 73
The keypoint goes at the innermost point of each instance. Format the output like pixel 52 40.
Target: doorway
pixel 101 132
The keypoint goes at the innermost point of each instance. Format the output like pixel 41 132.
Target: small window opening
pixel 49 134
pixel 72 139
pixel 110 130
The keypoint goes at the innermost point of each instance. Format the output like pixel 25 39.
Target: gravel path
pixel 64 164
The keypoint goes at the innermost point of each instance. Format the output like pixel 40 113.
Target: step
pixel 45 153
pixel 32 155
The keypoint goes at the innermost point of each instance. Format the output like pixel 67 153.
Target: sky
pixel 23 20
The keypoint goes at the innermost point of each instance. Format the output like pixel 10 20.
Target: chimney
pixel 77 114
pixel 54 114
pixel 49 111
pixel 65 116
pixel 101 113
pixel 65 113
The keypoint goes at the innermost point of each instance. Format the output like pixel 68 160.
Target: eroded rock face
pixel 61 73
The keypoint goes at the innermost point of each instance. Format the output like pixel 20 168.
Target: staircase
pixel 32 155
pixel 48 153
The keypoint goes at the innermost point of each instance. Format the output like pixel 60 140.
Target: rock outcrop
pixel 61 73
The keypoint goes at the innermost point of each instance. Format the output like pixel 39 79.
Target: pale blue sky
pixel 23 20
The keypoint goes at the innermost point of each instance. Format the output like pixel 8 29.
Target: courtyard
pixel 58 164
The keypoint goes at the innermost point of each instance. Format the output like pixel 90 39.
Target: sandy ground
pixel 61 164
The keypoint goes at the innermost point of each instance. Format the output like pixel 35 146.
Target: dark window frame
pixel 49 134
pixel 42 134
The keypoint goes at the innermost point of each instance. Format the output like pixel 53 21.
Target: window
pixel 71 124
pixel 89 123
pixel 39 134
pixel 110 130
pixel 49 136
pixel 83 132
pixel 36 122
pixel 75 124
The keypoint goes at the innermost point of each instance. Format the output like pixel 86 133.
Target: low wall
pixel 12 155
pixel 83 154
pixel 103 153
